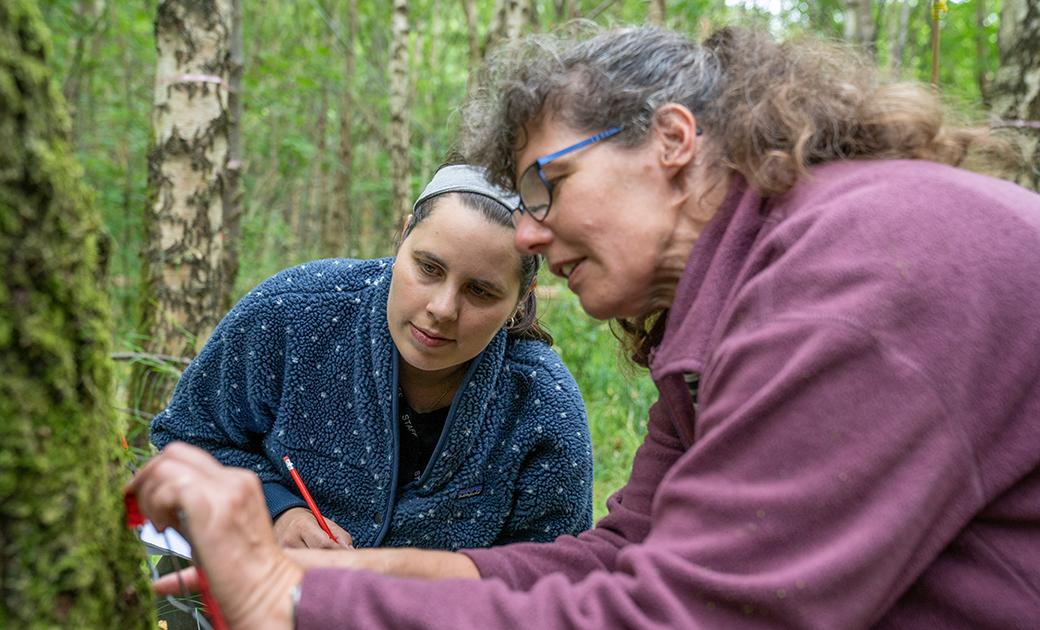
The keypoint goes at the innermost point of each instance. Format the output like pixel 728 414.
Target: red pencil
pixel 307 497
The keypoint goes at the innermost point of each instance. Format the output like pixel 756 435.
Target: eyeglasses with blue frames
pixel 536 190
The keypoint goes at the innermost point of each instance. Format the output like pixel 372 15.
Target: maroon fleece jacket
pixel 847 434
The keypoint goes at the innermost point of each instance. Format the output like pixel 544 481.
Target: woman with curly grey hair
pixel 841 323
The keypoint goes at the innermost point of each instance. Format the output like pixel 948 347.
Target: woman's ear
pixel 675 127
pixel 404 225
pixel 520 310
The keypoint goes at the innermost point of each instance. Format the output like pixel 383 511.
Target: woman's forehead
pixel 462 238
pixel 543 136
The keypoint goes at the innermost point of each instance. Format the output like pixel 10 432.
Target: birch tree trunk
pixel 66 557
pixel 399 137
pixel 181 297
pixel 859 24
pixel 1016 88
pixel 895 60
pixel 656 12
pixel 982 77
pixel 232 199
pixel 338 229
pixel 565 10
pixel 469 9
pixel 518 13
pixel 432 39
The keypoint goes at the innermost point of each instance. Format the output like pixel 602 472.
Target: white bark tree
pixel 656 12
pixel 186 178
pixel 1016 88
pixel 859 24
pixel 399 132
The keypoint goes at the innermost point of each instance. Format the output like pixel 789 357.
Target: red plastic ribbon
pixel 134 518
pixel 210 602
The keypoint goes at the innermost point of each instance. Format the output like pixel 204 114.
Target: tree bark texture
pixel 67 559
pixel 518 13
pixel 981 62
pixel 187 177
pixel 895 60
pixel 1016 88
pixel 338 227
pixel 656 12
pixel 399 133
pixel 507 22
pixel 859 24
pixel 232 186
pixel 469 9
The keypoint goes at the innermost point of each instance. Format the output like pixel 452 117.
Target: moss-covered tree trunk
pixel 66 557
pixel 181 297
pixel 1016 88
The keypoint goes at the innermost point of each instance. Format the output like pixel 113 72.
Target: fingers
pixel 289 527
pixel 346 541
pixel 159 488
pixel 184 582
pixel 315 537
pixel 222 512
pixel 159 485
pixel 296 528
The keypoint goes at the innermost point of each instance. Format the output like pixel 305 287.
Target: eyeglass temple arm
pixel 542 161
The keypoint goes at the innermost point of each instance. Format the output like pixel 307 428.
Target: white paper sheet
pixel 166 542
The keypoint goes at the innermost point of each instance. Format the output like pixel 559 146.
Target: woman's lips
pixel 564 269
pixel 426 338
pixel 571 275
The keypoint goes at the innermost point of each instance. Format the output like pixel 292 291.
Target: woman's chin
pixel 420 360
pixel 598 308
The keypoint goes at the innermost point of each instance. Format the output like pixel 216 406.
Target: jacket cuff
pixel 279 499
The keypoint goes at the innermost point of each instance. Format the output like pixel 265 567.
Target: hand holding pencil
pixel 307 527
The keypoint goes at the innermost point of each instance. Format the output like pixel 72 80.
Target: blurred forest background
pixel 226 139
pixel 223 140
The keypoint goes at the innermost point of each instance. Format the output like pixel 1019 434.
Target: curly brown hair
pixel 772 109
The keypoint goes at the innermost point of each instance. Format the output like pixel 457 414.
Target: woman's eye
pixel 480 292
pixel 427 268
pixel 556 182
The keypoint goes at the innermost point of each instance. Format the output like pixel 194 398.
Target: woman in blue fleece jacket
pixel 416 395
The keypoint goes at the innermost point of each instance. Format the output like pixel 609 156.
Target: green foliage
pixel 617 400
pixel 66 557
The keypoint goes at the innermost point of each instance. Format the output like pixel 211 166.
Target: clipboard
pixel 168 542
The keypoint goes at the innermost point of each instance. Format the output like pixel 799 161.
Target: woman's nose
pixel 531 237
pixel 443 304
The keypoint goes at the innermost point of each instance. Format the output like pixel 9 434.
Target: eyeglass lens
pixel 534 193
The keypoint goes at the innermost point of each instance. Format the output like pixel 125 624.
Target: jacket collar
pixel 469 407
pixel 707 282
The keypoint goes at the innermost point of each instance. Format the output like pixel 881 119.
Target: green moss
pixel 67 558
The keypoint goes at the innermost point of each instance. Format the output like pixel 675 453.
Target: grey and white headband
pixel 466 178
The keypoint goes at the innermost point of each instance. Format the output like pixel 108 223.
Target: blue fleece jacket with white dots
pixel 304 366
